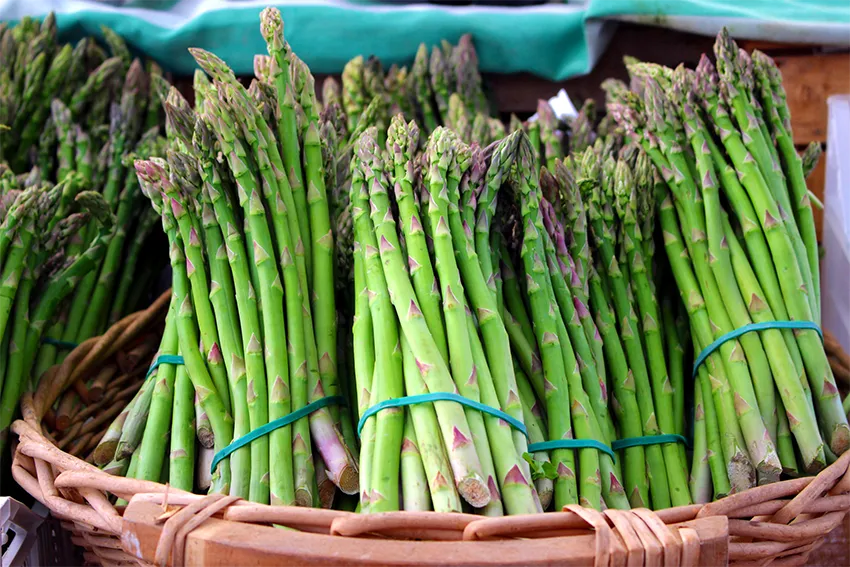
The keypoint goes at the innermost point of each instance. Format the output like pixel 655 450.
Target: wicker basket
pixel 777 524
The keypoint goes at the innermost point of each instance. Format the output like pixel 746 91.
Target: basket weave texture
pixel 777 524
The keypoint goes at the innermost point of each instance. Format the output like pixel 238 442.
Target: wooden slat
pixel 768 46
pixel 809 81
pixel 219 543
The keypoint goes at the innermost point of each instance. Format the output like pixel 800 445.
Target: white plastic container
pixel 18 527
pixel 835 287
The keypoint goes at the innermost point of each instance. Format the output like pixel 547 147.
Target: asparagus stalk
pixel 158 420
pixel 482 299
pixel 444 496
pixel 151 177
pixel 271 26
pixel 414 483
pixel 557 392
pixel 181 456
pixel 363 340
pixel 402 140
pixel 700 481
pixel 773 100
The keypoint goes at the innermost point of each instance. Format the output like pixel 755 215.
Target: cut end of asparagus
pixel 327 492
pixel 839 441
pixel 742 475
pixel 105 452
pixel 348 480
pixel 474 490
pixel 206 438
pixel 769 471
pixel 545 492
pixel 303 498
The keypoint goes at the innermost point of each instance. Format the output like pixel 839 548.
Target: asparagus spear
pixel 422 89
pixel 464 370
pixel 402 140
pixel 181 456
pixel 495 337
pixel 444 497
pixel 158 419
pixel 414 482
pixel 557 392
pixel 271 26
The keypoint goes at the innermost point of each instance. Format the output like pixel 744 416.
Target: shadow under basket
pixel 777 524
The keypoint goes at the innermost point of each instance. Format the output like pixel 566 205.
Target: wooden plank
pixel 768 46
pixel 217 543
pixel 809 81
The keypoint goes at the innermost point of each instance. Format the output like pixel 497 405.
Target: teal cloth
pixel 553 40
pixel 548 40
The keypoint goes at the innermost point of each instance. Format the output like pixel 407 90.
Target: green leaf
pixel 541 469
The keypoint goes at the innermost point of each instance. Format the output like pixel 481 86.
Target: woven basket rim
pixel 76 491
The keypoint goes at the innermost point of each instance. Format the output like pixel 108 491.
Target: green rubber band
pixel 706 352
pixel 67 345
pixel 572 444
pixel 275 424
pixel 439 397
pixel 163 359
pixel 649 440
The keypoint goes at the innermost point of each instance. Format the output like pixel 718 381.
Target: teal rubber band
pixel 649 440
pixel 706 352
pixel 163 359
pixel 67 345
pixel 275 424
pixel 572 444
pixel 439 397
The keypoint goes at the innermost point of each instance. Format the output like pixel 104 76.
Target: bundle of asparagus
pixel 39 268
pixel 72 117
pixel 461 309
pixel 443 88
pixel 459 452
pixel 737 225
pixel 253 312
